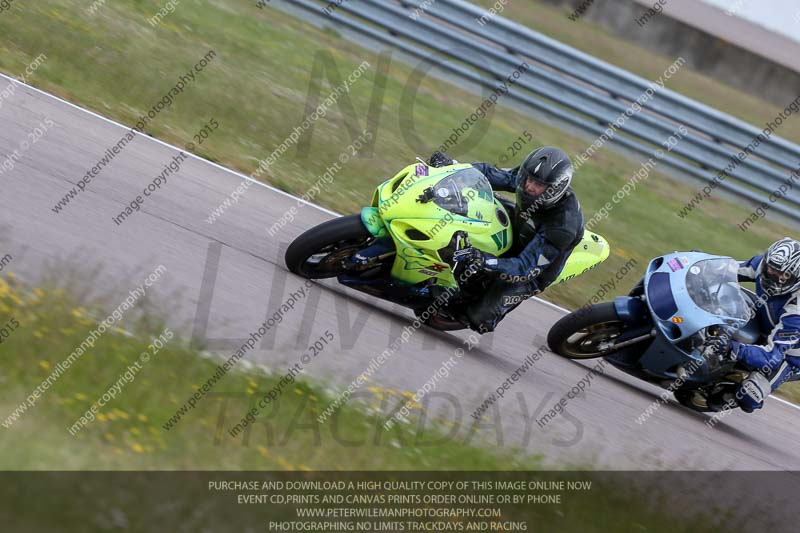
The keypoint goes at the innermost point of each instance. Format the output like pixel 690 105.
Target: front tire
pixel 321 251
pixel 585 334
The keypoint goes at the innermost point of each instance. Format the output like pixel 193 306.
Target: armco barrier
pixel 573 87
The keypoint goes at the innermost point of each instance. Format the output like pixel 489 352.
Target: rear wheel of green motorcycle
pixel 584 334
pixel 321 251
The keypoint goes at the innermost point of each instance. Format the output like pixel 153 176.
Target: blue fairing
pixel 632 311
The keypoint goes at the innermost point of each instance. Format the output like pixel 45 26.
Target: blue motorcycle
pixel 664 331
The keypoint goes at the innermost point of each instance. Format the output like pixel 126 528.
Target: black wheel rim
pixel 330 260
pixel 593 341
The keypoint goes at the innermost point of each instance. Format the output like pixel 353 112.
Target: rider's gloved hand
pixel 721 346
pixel 733 350
pixel 477 261
pixel 438 159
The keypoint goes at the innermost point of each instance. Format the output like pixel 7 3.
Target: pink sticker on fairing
pixel 675 265
pixel 422 170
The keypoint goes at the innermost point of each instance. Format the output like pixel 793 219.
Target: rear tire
pixel 320 252
pixel 580 334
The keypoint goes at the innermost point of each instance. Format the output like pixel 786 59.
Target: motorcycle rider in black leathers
pixel 547 224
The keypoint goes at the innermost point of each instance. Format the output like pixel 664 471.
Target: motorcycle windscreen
pixel 459 191
pixel 713 285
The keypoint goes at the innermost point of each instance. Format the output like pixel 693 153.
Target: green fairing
pixel 397 212
pixel 589 253
pixel 373 222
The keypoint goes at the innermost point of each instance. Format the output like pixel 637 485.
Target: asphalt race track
pixel 223 279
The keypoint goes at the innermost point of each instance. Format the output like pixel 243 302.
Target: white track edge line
pixel 787 402
pixel 164 143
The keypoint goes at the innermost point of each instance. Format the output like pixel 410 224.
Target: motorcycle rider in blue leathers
pixel 547 224
pixel 777 278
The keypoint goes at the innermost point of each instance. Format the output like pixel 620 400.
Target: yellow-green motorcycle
pixel 405 247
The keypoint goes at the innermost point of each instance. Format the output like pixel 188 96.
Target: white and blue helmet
pixel 779 271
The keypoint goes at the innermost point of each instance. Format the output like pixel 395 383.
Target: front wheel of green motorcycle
pixel 322 251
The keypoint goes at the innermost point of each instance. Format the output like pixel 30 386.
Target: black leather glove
pixel 438 159
pixel 474 261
